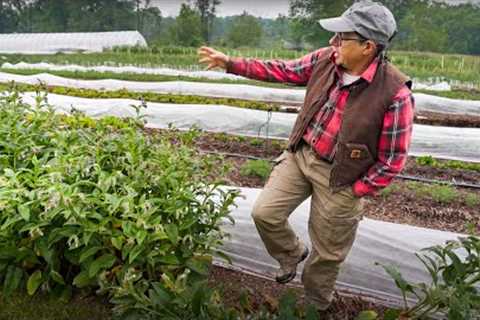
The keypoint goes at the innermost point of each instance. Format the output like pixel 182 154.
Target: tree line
pixel 424 25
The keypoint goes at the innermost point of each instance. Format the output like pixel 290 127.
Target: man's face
pixel 349 49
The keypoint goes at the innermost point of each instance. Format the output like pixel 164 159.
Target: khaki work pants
pixel 332 223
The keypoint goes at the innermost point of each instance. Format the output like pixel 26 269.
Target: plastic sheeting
pixel 51 43
pixel 376 241
pixel 215 75
pixel 440 142
pixel 417 85
pixel 239 91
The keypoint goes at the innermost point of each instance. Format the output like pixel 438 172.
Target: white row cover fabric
pixel 240 91
pixel 43 66
pixel 440 142
pixel 51 43
pixel 387 243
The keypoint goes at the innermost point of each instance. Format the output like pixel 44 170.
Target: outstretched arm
pixel 296 71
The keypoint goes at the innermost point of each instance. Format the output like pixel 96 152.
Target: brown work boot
pixel 288 269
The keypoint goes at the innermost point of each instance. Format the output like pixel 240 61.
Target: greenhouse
pixel 51 43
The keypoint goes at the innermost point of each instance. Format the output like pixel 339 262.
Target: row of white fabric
pixel 215 75
pixel 387 243
pixel 423 102
pixel 440 142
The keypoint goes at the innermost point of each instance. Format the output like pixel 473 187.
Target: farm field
pixel 436 194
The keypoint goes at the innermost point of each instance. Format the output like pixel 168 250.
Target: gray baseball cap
pixel 370 19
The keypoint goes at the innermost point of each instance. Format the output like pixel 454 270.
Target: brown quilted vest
pixel 362 122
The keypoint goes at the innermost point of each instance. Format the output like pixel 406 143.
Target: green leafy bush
pixel 100 205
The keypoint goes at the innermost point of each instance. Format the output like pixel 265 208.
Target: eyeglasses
pixel 338 39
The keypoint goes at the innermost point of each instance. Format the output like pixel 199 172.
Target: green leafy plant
pixel 102 206
pixel 472 200
pixel 453 289
pixel 443 194
pixel 452 164
pixel 258 168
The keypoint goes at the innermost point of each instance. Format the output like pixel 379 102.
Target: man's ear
pixel 370 48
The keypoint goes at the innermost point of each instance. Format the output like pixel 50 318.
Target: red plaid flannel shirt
pixel 396 133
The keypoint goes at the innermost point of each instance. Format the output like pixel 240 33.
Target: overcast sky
pixel 259 8
pixel 263 8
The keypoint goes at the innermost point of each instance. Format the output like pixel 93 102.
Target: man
pixel 350 139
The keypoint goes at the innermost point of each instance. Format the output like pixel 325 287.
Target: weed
pixel 258 168
pixel 472 200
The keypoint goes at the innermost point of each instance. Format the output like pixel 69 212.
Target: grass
pixel 420 65
pixel 42 307
pixel 256 168
pixel 472 200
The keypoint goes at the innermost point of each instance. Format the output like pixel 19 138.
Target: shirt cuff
pixel 361 189
pixel 233 65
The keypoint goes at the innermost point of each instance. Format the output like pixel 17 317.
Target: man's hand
pixel 213 57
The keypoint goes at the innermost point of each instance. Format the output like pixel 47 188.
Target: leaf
pixel 12 280
pixel 24 212
pixel 198 299
pixel 197 265
pixel 367 315
pixel 117 242
pixel 401 283
pixel 160 295
pixel 391 314
pixel 134 253
pixel 57 277
pixel 169 259
pixel 88 253
pixel 104 262
pixel 82 279
pixel 172 233
pixel 34 282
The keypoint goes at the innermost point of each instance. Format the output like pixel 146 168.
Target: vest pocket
pixel 357 152
pixel 353 160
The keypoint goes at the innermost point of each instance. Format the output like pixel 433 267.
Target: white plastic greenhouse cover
pixel 240 91
pixel 376 241
pixel 51 43
pixel 417 85
pixel 440 142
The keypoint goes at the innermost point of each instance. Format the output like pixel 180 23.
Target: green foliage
pixel 206 9
pixel 103 207
pixel 245 31
pixel 440 193
pixel 423 25
pixel 472 200
pixel 452 164
pixel 443 194
pixel 454 282
pixel 258 168
pixel 187 28
pixel 390 189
